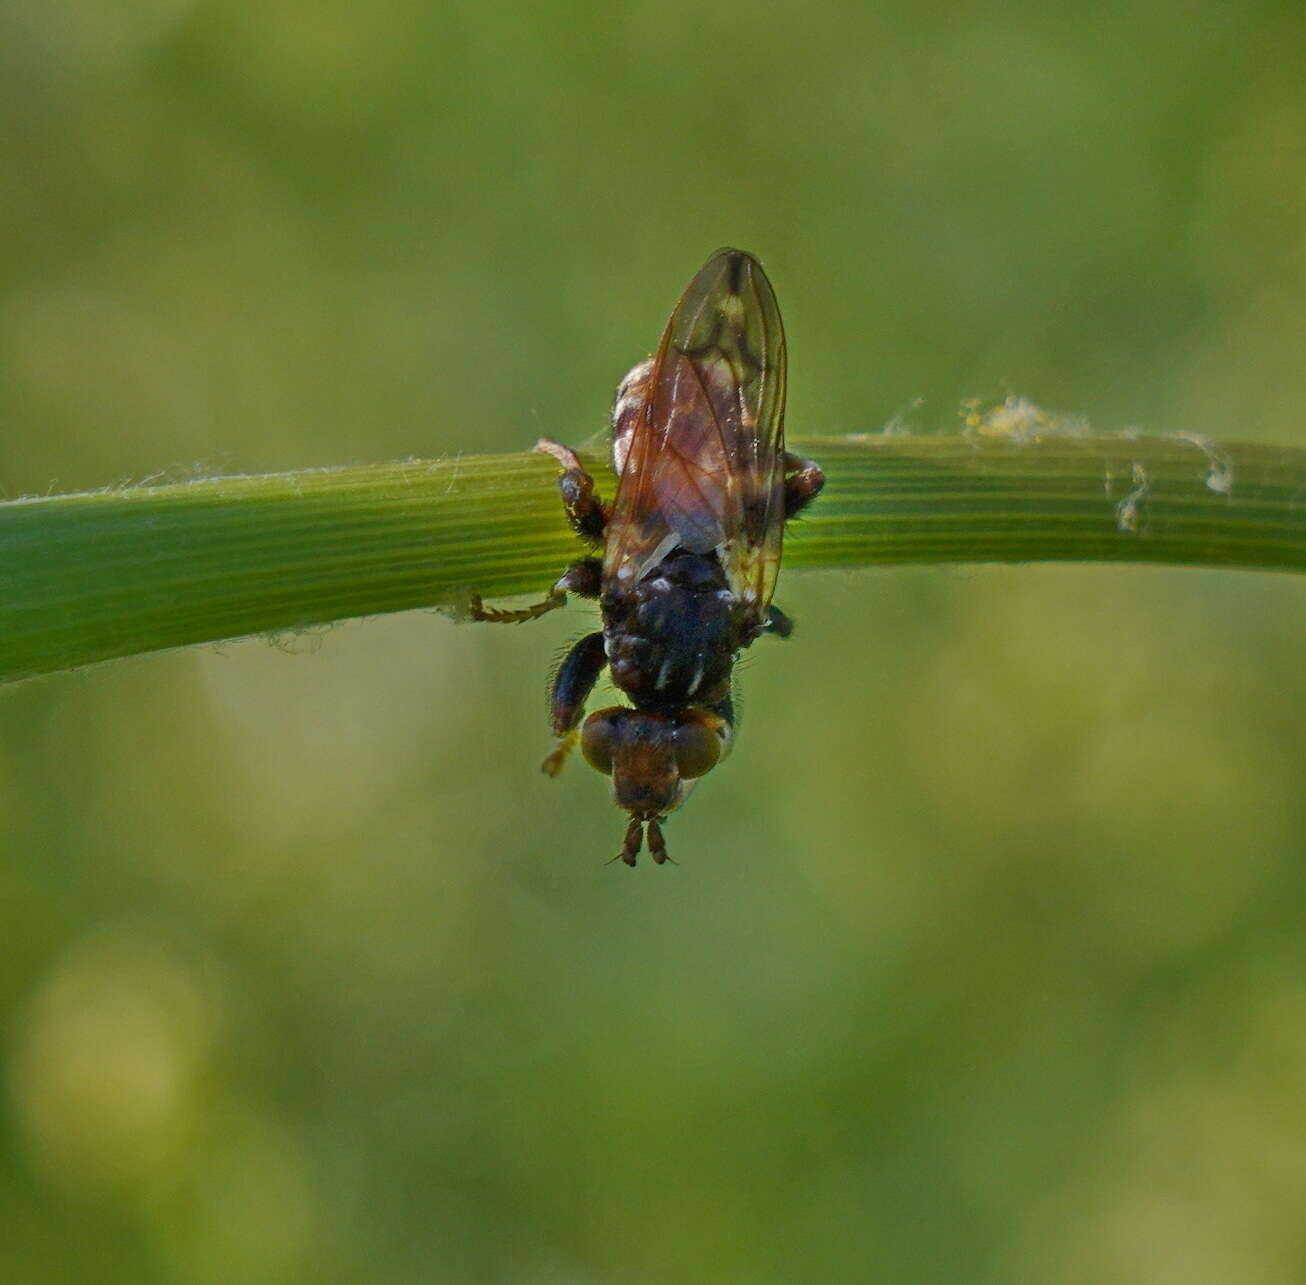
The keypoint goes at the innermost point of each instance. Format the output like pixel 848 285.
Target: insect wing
pixel 703 468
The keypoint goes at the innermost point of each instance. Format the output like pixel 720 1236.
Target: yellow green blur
pixel 983 960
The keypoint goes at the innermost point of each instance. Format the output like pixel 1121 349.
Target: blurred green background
pixel 986 956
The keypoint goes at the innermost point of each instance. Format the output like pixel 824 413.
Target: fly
pixel 687 554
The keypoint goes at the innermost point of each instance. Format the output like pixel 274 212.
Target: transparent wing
pixel 704 467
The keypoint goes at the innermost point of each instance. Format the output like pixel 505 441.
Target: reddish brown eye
pixel 596 739
pixel 698 747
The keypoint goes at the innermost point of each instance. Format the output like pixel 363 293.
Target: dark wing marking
pixel 704 466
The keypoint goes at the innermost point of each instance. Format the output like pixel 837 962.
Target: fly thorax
pixel 674 639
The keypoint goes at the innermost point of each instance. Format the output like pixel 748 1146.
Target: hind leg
pixel 803 483
pixel 589 519
pixel 585 510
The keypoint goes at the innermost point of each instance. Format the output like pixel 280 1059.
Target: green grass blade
pixel 89 577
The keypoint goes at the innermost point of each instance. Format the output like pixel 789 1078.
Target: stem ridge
pixel 119 572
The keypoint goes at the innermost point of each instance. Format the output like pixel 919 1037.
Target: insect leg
pixel 584 578
pixel 725 711
pixel 572 685
pixel 584 509
pixel 476 610
pixel 803 485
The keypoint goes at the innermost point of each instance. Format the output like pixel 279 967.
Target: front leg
pixel 572 686
pixel 585 511
pixel 583 578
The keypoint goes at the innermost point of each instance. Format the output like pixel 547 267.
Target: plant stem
pixel 114 573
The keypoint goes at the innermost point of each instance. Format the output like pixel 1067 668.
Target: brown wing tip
pixel 736 264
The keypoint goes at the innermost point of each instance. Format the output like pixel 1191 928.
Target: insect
pixel 690 546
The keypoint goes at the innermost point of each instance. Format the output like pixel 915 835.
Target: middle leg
pixel 777 622
pixel 584 578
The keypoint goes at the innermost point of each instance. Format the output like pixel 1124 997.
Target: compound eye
pixel 698 747
pixel 596 739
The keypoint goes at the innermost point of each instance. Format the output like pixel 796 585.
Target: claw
pixel 563 454
pixel 554 761
pixel 476 609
